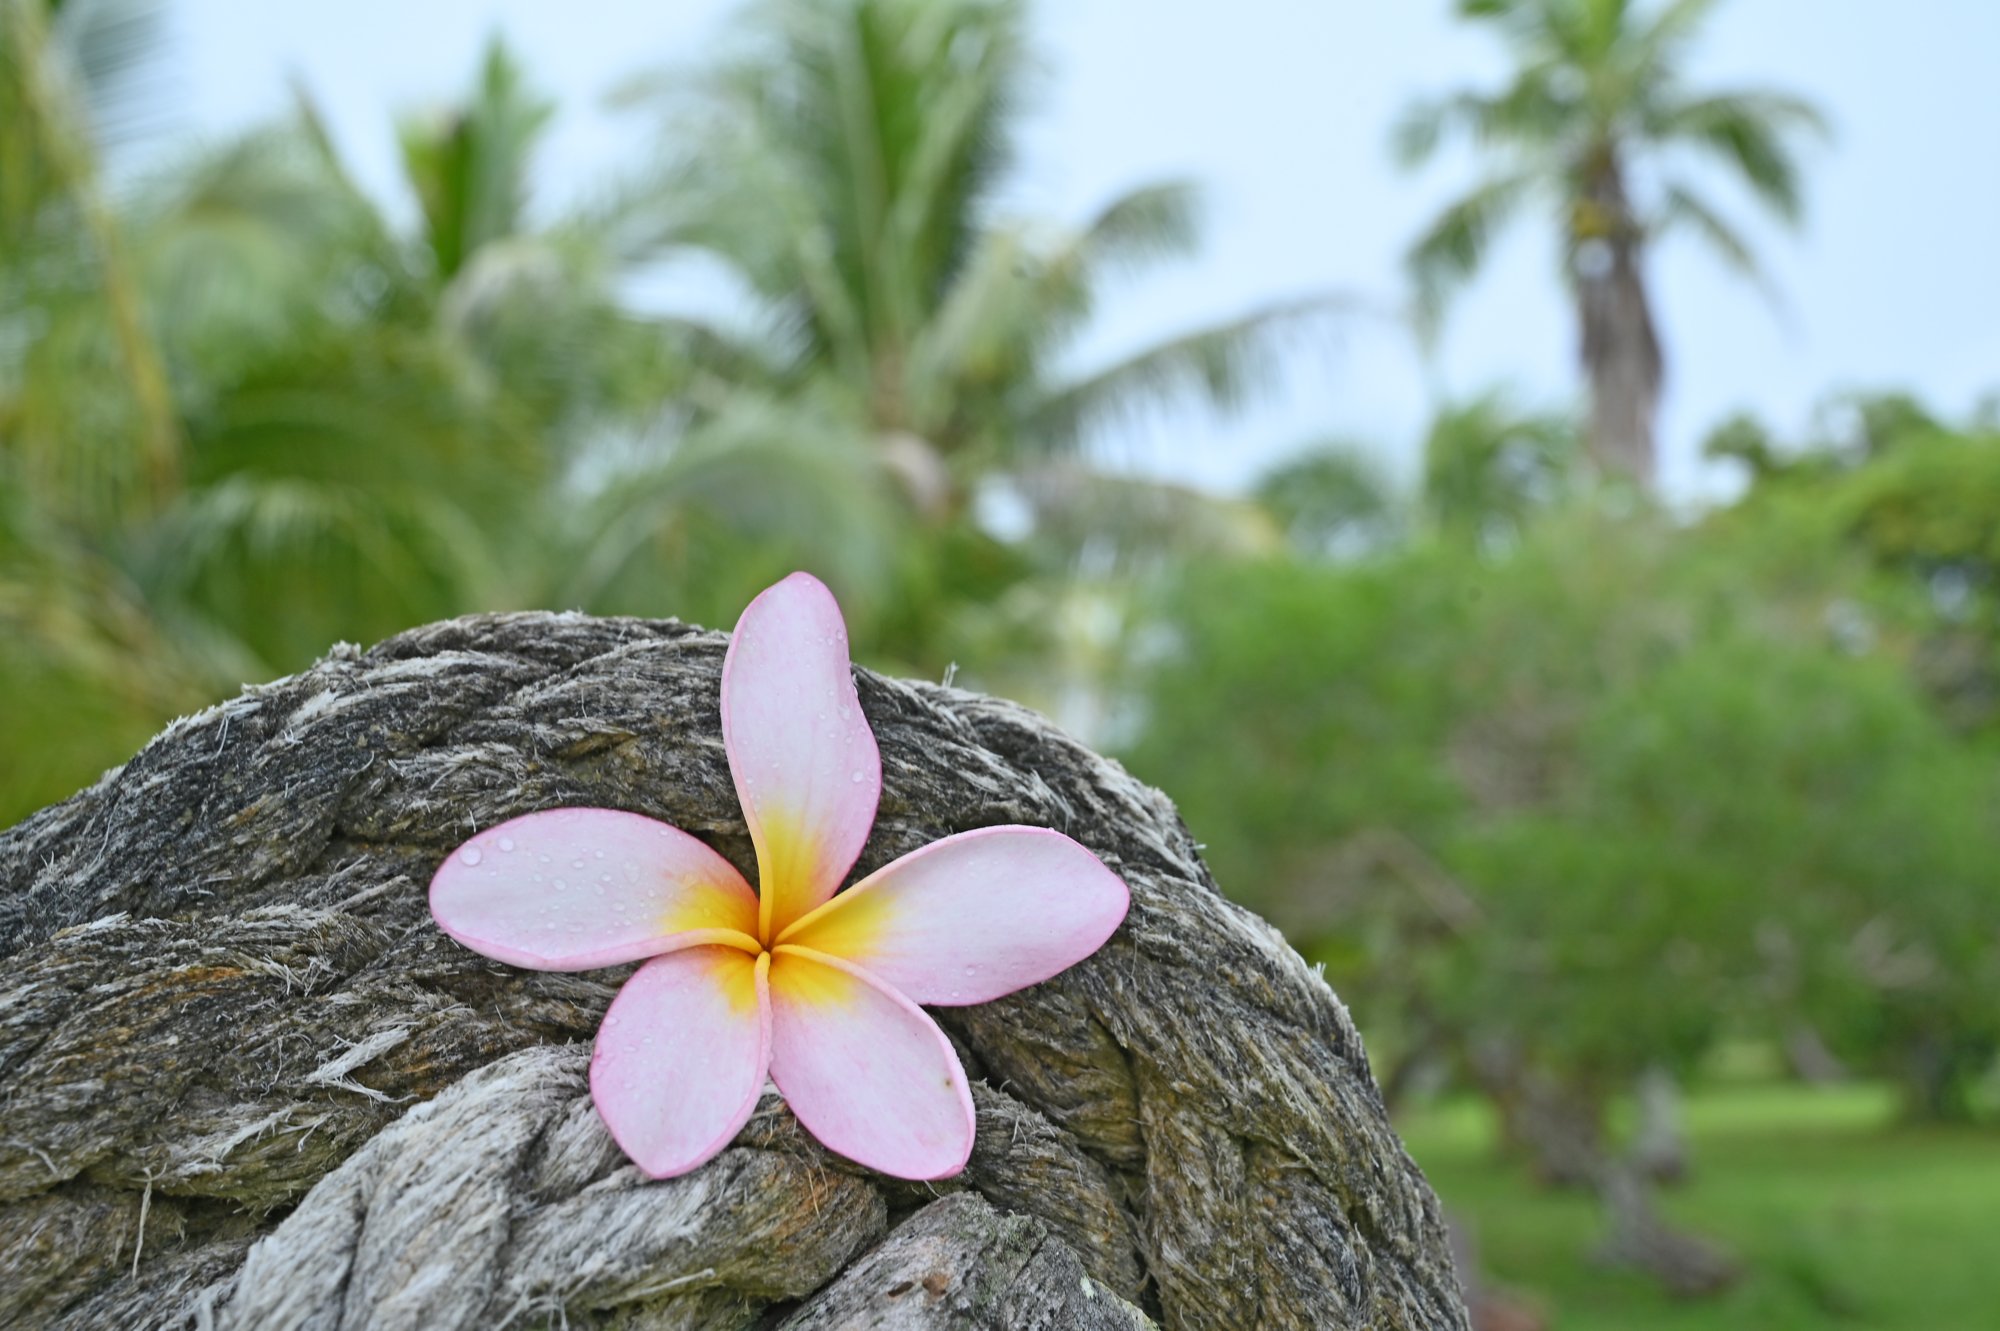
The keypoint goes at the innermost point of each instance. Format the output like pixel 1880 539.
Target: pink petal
pixel 574 889
pixel 681 1056
pixel 974 916
pixel 865 1070
pixel 806 766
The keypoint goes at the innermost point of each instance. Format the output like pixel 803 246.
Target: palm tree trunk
pixel 1620 347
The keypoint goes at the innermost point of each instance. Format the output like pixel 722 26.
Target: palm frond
pixel 1530 116
pixel 1142 226
pixel 1751 132
pixel 1017 301
pixel 468 166
pixel 1450 251
pixel 255 243
pixel 1221 366
pixel 345 562
pixel 1662 43
pixel 1007 304
pixel 1683 210
pixel 1122 522
pixel 972 67
pixel 113 51
pixel 776 486
pixel 1421 128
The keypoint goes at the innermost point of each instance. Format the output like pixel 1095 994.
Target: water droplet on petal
pixel 598 853
pixel 857 776
pixel 471 855
pixel 562 885
pixel 506 843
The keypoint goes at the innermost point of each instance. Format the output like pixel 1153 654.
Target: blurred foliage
pixel 1490 468
pixel 1600 810
pixel 1919 498
pixel 1332 500
pixel 1566 792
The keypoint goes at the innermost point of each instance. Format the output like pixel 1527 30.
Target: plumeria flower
pixel 817 991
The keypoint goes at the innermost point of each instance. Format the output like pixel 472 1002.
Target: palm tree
pixel 386 427
pixel 655 496
pixel 369 427
pixel 1490 467
pixel 846 172
pixel 1598 104
pixel 1332 500
pixel 88 434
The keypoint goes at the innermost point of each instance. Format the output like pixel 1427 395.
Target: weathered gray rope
pixel 225 1005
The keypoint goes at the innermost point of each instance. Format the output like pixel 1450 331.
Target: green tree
pixel 846 172
pixel 372 428
pixel 1597 105
pixel 1879 474
pixel 1550 816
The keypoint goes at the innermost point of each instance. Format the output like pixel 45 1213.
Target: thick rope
pixel 224 991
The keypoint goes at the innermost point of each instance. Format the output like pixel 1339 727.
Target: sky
pixel 1280 110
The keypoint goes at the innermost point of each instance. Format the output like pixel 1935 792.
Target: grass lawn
pixel 1841 1218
